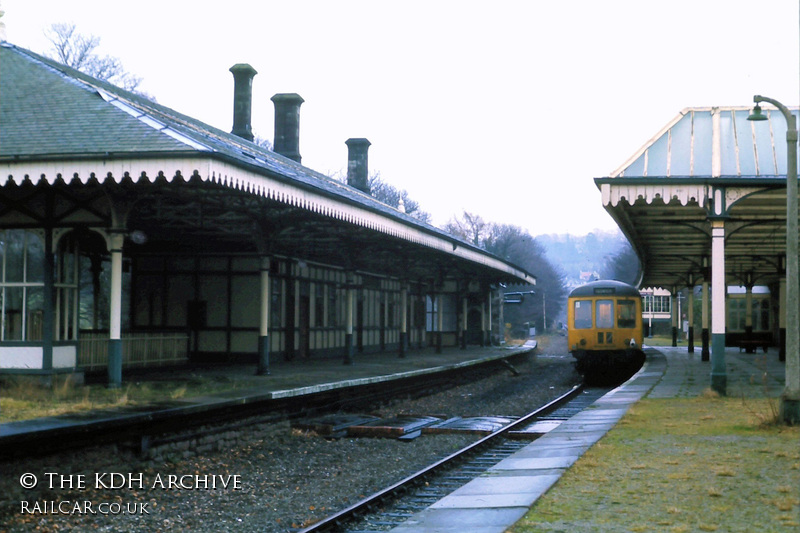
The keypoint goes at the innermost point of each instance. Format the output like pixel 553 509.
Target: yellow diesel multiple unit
pixel 605 328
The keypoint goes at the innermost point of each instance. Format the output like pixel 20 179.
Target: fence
pixel 138 350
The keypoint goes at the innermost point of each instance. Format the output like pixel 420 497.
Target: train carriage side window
pixel 626 314
pixel 604 313
pixel 583 314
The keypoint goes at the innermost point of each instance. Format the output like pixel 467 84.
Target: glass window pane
pixel 583 314
pixel 15 253
pixel 35 261
pixel 626 313
pixel 12 330
pixel 702 143
pixel 744 136
pixel 728 153
pixel 604 313
pixel 34 313
pixel 680 149
pixel 657 157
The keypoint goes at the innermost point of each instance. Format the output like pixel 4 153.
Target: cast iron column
pixel 719 377
pixel 263 337
pixel 116 241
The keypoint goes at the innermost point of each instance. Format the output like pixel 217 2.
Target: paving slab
pixel 443 520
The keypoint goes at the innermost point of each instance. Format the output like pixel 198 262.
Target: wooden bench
pixel 752 345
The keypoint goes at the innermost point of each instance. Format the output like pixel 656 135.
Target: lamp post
pixel 790 399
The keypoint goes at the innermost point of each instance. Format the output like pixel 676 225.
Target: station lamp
pixel 790 399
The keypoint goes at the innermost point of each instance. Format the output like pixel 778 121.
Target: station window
pixel 431 311
pixel 657 304
pixel 604 313
pixel 737 311
pixel 626 314
pixel 66 289
pixel 21 285
pixel 583 314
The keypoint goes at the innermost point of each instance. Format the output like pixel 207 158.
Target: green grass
pixel 662 340
pixel 681 465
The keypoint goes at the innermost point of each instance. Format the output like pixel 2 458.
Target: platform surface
pixel 501 496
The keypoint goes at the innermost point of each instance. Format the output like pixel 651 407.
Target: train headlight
pixel 583 342
pixel 633 343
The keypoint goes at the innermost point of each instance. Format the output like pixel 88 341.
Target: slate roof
pixel 51 112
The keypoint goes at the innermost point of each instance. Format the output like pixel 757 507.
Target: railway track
pixel 142 427
pixel 391 506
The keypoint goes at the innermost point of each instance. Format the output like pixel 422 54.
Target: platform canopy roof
pixel 707 163
pixel 194 186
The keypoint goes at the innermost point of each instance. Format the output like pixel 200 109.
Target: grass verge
pixel 22 399
pixel 680 465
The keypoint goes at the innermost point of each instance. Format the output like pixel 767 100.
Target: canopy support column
pixel 263 334
pixel 719 377
pixel 464 322
pixel 115 241
pixel 348 337
pixel 403 319
pixel 690 316
pixel 675 318
pixel 439 321
pixel 782 318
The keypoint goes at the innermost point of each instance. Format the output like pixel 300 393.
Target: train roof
pixel 605 287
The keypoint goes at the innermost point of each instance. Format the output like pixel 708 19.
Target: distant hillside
pixel 587 254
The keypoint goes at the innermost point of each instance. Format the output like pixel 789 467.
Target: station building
pixel 703 204
pixel 132 235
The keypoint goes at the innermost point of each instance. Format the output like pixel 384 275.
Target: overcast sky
pixel 505 108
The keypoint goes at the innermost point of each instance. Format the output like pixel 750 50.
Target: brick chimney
pixel 242 99
pixel 287 125
pixel 357 168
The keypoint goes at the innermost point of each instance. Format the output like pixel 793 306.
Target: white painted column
pixel 782 318
pixel 115 241
pixel 403 319
pixel 439 323
pixel 263 333
pixel 674 305
pixel 489 328
pixel 705 353
pixel 464 323
pixel 748 314
pixel 690 318
pixel 483 324
pixel 719 377
pixel 350 301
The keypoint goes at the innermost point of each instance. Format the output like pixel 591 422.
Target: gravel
pixel 278 478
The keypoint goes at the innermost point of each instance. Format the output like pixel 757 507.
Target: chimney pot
pixel 242 99
pixel 357 164
pixel 287 125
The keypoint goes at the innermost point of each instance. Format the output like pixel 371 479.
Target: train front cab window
pixel 583 314
pixel 604 313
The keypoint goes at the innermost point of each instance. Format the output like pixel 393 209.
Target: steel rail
pixel 365 504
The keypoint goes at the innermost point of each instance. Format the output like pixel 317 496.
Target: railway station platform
pixel 500 497
pixel 300 377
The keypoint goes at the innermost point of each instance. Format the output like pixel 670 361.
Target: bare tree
pixel 390 195
pixel 78 51
pixel 470 227
pixel 623 265
pixel 516 245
